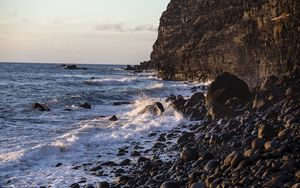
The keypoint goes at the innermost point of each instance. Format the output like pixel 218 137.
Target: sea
pixel 32 142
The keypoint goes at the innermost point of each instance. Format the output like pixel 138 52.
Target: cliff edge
pixel 199 39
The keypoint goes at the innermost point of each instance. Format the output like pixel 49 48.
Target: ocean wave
pixel 111 81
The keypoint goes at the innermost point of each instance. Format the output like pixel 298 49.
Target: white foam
pixel 111 81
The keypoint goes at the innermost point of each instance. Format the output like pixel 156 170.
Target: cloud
pixel 120 27
pixel 150 28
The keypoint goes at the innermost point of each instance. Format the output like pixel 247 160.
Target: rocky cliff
pixel 198 39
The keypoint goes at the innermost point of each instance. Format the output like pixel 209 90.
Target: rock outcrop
pixel 199 39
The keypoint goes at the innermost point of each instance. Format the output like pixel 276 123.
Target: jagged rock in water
pixel 85 105
pixel 155 109
pixel 40 107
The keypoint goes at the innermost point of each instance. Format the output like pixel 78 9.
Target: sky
pixel 79 31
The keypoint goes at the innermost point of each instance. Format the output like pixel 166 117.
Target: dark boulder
pixel 171 98
pixel 40 107
pixel 221 93
pixel 155 109
pixel 85 105
pixel 113 118
pixel 74 67
pixel 75 185
pixel 121 103
pixel 227 86
pixel 129 67
pixel 196 98
pixel 189 154
pixel 103 184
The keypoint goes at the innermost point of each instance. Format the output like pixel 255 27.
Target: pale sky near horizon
pixel 78 31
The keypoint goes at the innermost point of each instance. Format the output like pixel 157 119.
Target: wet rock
pixel 85 105
pixel 125 162
pixel 197 185
pixel 155 109
pixel 257 144
pixel 189 154
pixel 297 185
pixel 284 133
pixel 186 137
pixel 98 167
pixel 161 138
pixel 258 102
pixel 121 103
pixel 58 164
pixel 211 165
pixel 135 154
pixel 75 185
pixel 297 175
pixel 171 98
pixel 40 107
pixel 74 67
pixel 237 158
pixel 229 158
pixel 170 184
pixel 113 118
pixel 266 131
pixel 206 156
pixel 196 98
pixel 276 181
pixel 142 159
pixel 109 163
pixel 198 114
pixel 271 145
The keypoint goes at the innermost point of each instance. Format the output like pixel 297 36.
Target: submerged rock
pixel 113 118
pixel 155 109
pixel 85 105
pixel 74 67
pixel 40 107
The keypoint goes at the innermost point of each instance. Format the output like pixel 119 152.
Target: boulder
pixel 74 67
pixel 258 102
pixel 211 165
pixel 155 109
pixel 75 185
pixel 197 185
pixel 266 131
pixel 113 118
pixel 85 105
pixel 40 107
pixel 196 98
pixel 189 154
pixel 227 86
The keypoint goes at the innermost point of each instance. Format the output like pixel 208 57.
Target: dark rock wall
pixel 198 39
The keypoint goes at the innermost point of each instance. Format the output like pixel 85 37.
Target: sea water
pixel 33 142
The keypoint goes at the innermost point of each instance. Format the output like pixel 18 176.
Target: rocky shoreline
pixel 235 142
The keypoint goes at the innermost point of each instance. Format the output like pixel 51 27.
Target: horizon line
pixel 19 62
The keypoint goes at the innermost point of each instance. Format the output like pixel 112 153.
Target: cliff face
pixel 198 39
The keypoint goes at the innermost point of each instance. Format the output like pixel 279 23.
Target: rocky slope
pixel 257 144
pixel 198 39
